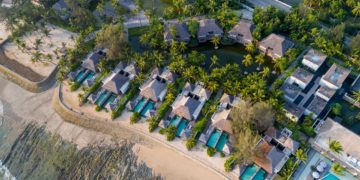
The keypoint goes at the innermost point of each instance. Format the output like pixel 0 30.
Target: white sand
pixel 4 34
pixel 57 41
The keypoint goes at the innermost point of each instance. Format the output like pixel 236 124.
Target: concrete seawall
pixel 35 87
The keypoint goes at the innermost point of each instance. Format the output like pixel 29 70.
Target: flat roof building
pixel 293 111
pixel 291 91
pixel 301 77
pixel 325 93
pixel 316 107
pixel 314 59
pixel 334 77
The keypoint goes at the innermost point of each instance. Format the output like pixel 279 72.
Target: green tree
pixel 335 146
pixel 356 10
pixel 193 27
pixel 173 30
pixel 215 41
pixel 338 169
pixel 301 156
pixel 112 38
pixel 260 59
pixel 214 60
pixel 356 95
pixel 250 48
pixel 336 109
pixel 247 61
pixel 265 72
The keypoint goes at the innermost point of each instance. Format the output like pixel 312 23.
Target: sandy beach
pixel 29 107
pixel 3 33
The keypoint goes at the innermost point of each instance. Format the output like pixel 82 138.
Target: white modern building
pixel 314 59
pixel 301 77
pixel 334 77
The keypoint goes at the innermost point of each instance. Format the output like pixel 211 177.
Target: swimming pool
pixel 175 121
pixel 100 101
pixel 214 138
pixel 147 107
pixel 139 106
pixel 181 127
pixel 260 175
pixel 330 176
pixel 222 141
pixel 80 76
pixel 89 76
pixel 249 172
pixel 110 100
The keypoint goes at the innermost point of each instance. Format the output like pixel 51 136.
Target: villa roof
pixel 283 138
pixel 229 99
pixel 182 31
pixel 115 82
pixel 132 69
pixel 152 89
pixel 336 75
pixel 317 105
pixel 208 25
pixel 315 56
pixel 91 62
pixel 327 92
pixel 220 120
pixel 271 156
pixel 291 90
pixel 186 107
pixel 293 109
pixel 277 43
pixel 303 75
pixel 164 73
pixel 244 29
pixel 198 90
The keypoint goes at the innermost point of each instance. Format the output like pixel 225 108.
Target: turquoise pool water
pixel 147 107
pixel 110 100
pixel 222 141
pixel 260 175
pixel 330 176
pixel 139 105
pixel 214 138
pixel 175 121
pixel 101 99
pixel 249 172
pixel 80 76
pixel 89 76
pixel 181 127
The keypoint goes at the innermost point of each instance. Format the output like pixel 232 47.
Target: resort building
pixel 155 88
pixel 92 60
pixel 180 30
pixel 314 59
pixel 291 91
pixel 242 32
pixel 331 129
pixel 334 77
pixel 114 86
pixel 208 28
pixel 219 135
pixel 301 77
pixel 316 107
pixel 276 148
pixel 275 46
pixel 325 93
pixel 293 111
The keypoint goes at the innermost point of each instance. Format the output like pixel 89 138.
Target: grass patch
pixel 137 31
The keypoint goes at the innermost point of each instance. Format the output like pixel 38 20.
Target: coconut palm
pixel 356 10
pixel 250 48
pixel 182 47
pixel 260 59
pixel 335 146
pixel 356 96
pixel 301 156
pixel 247 61
pixel 214 60
pixel 216 41
pixel 36 56
pixel 338 169
pixel 173 30
pixel 37 43
pixel 158 58
pixel 265 72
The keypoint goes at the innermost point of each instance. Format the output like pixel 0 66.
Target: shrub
pixel 164 107
pixel 153 123
pixel 117 112
pixel 171 133
pixel 336 109
pixel 162 131
pixel 74 86
pixel 98 108
pixel 230 163
pixel 135 117
pixel 222 154
pixel 210 151
pixel 200 125
pixel 190 143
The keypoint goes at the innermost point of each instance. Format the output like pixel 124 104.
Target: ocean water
pixel 5 173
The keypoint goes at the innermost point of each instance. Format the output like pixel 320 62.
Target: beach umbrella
pixel 315 175
pixel 323 164
pixel 320 168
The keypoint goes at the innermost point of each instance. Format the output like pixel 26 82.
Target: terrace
pixel 314 59
pixel 335 77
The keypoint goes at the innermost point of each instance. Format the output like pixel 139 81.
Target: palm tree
pixel 173 31
pixel 356 95
pixel 214 60
pixel 182 47
pixel 247 61
pixel 36 56
pixel 338 169
pixel 265 72
pixel 213 86
pixel 301 156
pixel 37 43
pixel 216 41
pixel 250 48
pixel 260 59
pixel 335 146
pixel 356 10
pixel 158 58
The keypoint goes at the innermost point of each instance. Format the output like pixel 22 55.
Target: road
pixel 275 3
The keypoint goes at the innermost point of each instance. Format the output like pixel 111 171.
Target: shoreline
pixel 101 122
